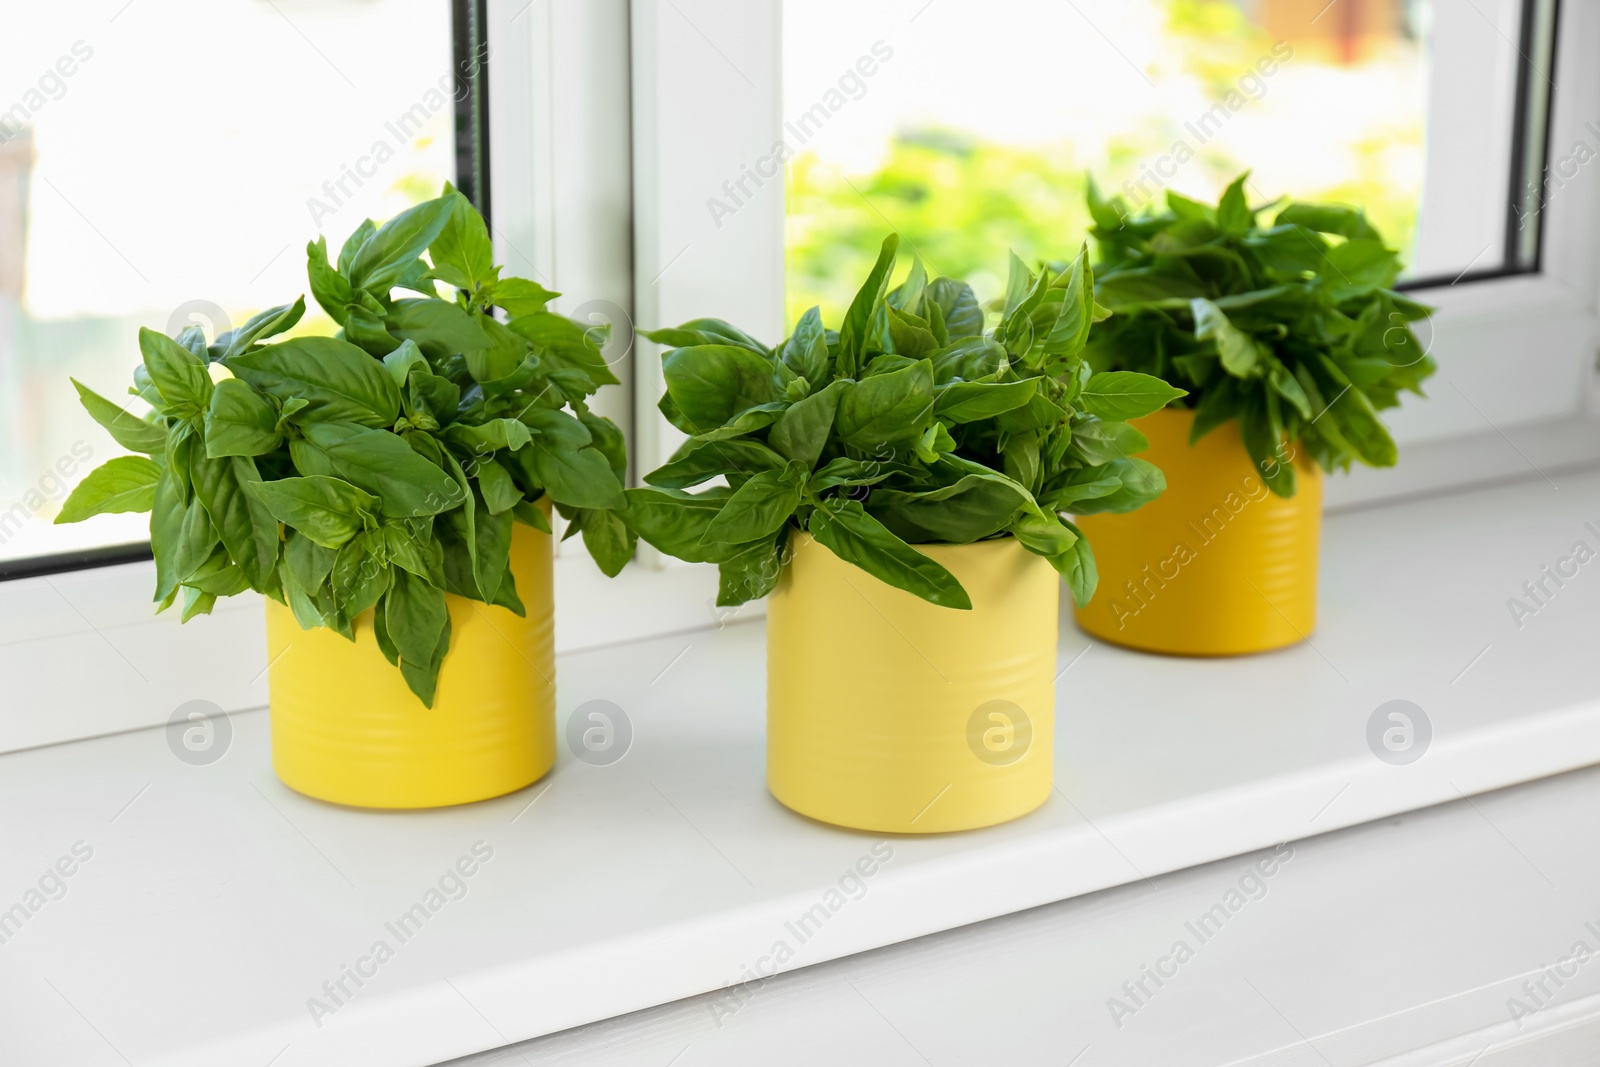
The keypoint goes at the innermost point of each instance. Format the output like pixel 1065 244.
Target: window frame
pixel 1486 418
pixel 78 633
pixel 468 26
pixel 612 123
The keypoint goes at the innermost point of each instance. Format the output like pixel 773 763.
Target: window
pixel 1418 111
pixel 641 164
pixel 1460 126
pixel 163 165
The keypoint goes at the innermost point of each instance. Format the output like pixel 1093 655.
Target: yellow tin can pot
pixel 890 714
pixel 1215 566
pixel 345 728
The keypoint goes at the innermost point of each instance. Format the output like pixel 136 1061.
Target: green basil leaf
pixel 500 493
pixel 1072 489
pixel 565 343
pixel 887 409
pixel 1357 421
pixel 387 255
pixel 935 442
pixel 846 471
pixel 962 467
pixel 960 402
pixel 502 359
pixel 1118 396
pixel 858 538
pixel 579 479
pixel 179 376
pixel 308 562
pixel 1233 213
pixel 1070 331
pixel 701 461
pixel 127 429
pixel 368 330
pixel 417 621
pixel 970 509
pixel 477 545
pixel 1266 447
pixel 197 539
pixel 1138 482
pixel 853 333
pixel 124 484
pixel 1107 214
pixel 1286 386
pixel 1043 535
pixel 1219 402
pixel 607 438
pixel 802 429
pixel 379 462
pixel 608 540
pixel 675 522
pixel 911 335
pixel 359 578
pixel 166 532
pixel 530 514
pixel 963 317
pixel 710 384
pixel 806 350
pixel 241 421
pixel 326 510
pixel 462 253
pixel 519 296
pixel 1234 346
pixel 758 508
pixel 1360 266
pixel 246 527
pixel 749 574
pixel 492 436
pixel 268 323
pixel 1077 566
pixel 218 576
pixel 757 418
pixel 328 286
pixel 1095 441
pixel 338 381
pixel 354 243
pixel 556 427
pixel 439 328
pixel 197 602
pixel 1329 218
pixel 706 332
pixel 403 361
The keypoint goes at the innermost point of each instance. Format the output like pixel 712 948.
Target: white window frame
pixel 83 652
pixel 613 122
pixel 1515 395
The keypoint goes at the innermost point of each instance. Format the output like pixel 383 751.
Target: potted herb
pixel 388 489
pixel 1289 339
pixel 896 486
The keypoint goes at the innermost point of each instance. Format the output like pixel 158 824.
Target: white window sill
pixel 1442 938
pixel 217 902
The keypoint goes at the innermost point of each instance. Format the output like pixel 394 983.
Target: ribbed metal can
pixel 346 729
pixel 1217 565
pixel 887 713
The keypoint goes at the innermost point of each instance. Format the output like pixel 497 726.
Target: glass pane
pixel 163 164
pixel 971 129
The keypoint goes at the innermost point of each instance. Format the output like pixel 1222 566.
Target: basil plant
pixel 378 469
pixel 1292 330
pixel 912 424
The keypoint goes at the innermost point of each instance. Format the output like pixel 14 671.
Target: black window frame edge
pixel 1532 111
pixel 470 54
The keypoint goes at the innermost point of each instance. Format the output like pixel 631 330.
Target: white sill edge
pixel 433 1010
